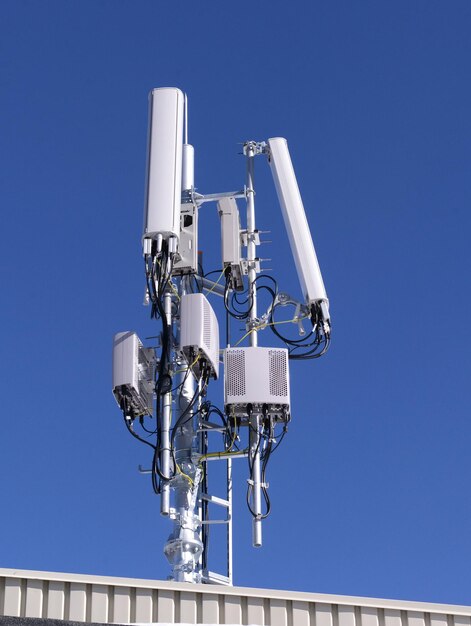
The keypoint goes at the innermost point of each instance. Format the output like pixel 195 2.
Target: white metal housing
pixel 133 372
pixel 164 163
pixel 256 376
pixel 296 222
pixel 188 245
pixel 230 239
pixel 199 331
pixel 106 599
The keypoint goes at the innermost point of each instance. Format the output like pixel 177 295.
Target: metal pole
pixel 183 548
pixel 254 438
pixel 166 418
pixel 251 243
pixel 256 478
pixel 229 524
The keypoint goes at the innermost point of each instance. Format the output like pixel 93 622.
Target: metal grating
pixel 207 325
pixel 278 373
pixel 107 600
pixel 235 373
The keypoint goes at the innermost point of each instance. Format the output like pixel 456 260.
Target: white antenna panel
pixel 164 163
pixel 295 220
pixel 256 376
pixel 199 332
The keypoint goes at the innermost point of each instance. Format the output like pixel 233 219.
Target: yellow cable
pixel 179 470
pixel 169 281
pixel 190 366
pixel 221 454
pixel 295 319
pixel 246 335
pixel 173 289
pixel 226 452
pixel 217 282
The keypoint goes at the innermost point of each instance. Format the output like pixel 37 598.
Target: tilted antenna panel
pixel 296 223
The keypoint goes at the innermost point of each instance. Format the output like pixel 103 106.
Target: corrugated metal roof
pixel 83 598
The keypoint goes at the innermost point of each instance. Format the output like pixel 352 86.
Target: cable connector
pixel 320 315
pixel 147 246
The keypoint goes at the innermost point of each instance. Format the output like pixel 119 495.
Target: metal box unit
pixel 187 261
pixel 256 376
pixel 199 332
pixel 230 239
pixel 188 245
pixel 164 164
pixel 133 373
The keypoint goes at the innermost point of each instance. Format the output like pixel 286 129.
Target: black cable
pixel 181 421
pixel 205 508
pixel 199 285
pixel 150 432
pixel 266 457
pixel 235 306
pixel 250 486
pixel 211 273
pixel 280 439
pixel 158 274
pixel 319 344
pixel 268 277
pixel 312 354
pixel 230 307
pixel 128 423
pixel 227 435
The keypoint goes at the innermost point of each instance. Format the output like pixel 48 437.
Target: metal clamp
pixel 257 147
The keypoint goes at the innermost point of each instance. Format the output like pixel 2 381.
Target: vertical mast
pixel 254 438
pixel 183 548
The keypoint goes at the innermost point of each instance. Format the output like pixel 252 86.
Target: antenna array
pixel 163 393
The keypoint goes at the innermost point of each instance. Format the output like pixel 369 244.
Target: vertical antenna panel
pixel 164 163
pixel 295 220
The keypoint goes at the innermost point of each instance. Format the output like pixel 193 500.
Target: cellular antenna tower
pixel 164 391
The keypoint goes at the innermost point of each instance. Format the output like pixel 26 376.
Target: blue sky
pixel 370 490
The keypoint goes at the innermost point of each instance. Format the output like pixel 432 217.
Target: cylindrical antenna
pixel 188 167
pixel 185 140
pixel 188 160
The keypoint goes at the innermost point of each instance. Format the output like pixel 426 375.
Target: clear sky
pixel 371 488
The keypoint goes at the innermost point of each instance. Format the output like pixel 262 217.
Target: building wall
pixel 102 599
